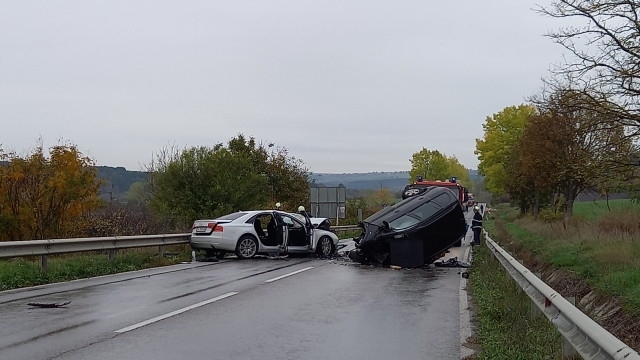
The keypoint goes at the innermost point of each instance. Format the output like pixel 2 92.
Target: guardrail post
pixel 568 351
pixel 112 254
pixel 161 251
pixel 43 263
pixel 535 310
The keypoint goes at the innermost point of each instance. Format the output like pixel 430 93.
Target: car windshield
pixel 232 217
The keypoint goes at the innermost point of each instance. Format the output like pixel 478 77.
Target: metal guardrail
pixel 111 243
pixel 346 228
pixel 61 246
pixel 588 338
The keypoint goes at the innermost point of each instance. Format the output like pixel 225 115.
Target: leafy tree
pixel 352 207
pixel 135 194
pixel 377 199
pixel 501 132
pixel 202 182
pixel 433 165
pixel 43 197
pixel 567 150
pixel 430 164
pixel 531 179
pixel 287 179
pixel 460 172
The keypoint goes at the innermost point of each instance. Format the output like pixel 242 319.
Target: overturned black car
pixel 412 233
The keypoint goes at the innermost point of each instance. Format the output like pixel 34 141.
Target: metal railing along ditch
pixel 583 334
pixel 43 248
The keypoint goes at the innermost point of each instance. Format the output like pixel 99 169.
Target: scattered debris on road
pixel 50 305
pixel 452 263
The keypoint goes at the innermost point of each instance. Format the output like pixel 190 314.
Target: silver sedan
pixel 249 233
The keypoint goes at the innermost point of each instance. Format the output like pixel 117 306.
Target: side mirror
pixel 385 225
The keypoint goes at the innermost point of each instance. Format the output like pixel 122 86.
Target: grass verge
pixel 599 244
pixel 505 328
pixel 24 272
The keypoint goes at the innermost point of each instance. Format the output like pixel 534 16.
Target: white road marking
pixel 289 274
pixel 173 313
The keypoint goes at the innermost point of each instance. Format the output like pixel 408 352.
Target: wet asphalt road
pixel 298 308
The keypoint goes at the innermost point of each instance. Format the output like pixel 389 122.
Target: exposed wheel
pixel 325 247
pixel 409 192
pixel 247 247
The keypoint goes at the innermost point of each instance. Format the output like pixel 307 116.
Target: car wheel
pixel 325 247
pixel 411 192
pixel 247 247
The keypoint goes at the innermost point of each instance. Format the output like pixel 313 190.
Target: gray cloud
pixel 346 86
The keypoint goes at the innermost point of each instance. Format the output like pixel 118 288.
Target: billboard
pixel 328 202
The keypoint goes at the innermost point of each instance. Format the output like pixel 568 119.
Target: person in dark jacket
pixel 476 225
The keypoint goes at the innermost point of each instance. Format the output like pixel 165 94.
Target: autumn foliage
pixel 44 196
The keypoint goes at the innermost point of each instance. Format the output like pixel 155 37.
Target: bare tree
pixel 605 61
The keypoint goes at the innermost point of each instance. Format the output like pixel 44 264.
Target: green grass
pixel 599 244
pixel 23 272
pixel 594 210
pixel 505 328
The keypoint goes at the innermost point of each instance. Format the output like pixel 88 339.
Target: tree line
pixel 580 133
pixel 57 195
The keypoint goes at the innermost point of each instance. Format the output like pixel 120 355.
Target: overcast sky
pixel 345 86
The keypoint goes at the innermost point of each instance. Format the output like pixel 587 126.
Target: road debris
pixel 50 305
pixel 452 263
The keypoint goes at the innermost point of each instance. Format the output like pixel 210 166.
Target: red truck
pixel 461 192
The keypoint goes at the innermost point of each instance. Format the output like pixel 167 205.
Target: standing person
pixel 476 225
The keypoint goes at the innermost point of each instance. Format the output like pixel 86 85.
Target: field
pixel 597 252
pixel 600 244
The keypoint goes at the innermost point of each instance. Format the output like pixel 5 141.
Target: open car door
pixel 282 232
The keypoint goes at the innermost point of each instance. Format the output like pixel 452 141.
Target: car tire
pixel 247 247
pixel 458 243
pixel 409 192
pixel 325 247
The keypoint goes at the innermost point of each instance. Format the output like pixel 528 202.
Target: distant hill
pixel 364 181
pixel 120 179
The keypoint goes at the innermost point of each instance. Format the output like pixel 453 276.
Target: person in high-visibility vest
pixel 476 225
